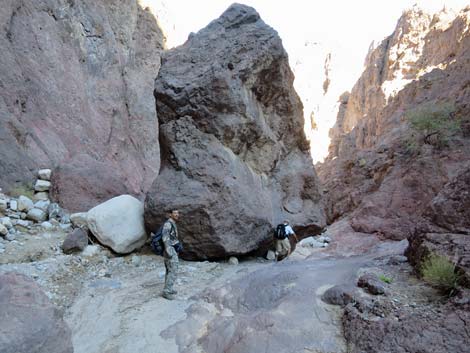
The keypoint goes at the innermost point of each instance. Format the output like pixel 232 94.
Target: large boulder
pixel 30 322
pixel 235 159
pixel 119 223
pixel 88 91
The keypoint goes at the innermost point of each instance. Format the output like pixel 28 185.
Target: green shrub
pixel 434 123
pixel 385 279
pixel 440 272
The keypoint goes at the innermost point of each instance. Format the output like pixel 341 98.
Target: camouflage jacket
pixel 170 237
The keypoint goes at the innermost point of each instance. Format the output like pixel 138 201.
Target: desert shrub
pixel 385 279
pixel 434 123
pixel 440 272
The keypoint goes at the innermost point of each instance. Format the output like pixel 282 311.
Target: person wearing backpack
pixel 172 247
pixel 282 234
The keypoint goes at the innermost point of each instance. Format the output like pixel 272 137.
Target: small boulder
pixel 91 250
pixel 271 255
pixel 25 203
pixel 371 283
pixel 233 260
pixel 42 185
pixel 44 174
pixel 3 230
pixel 41 196
pixel 3 205
pixel 42 205
pixel 6 221
pixel 119 223
pixel 36 215
pixel 30 322
pixel 339 295
pixel 47 225
pixel 10 237
pixel 79 219
pixel 13 205
pixel 75 241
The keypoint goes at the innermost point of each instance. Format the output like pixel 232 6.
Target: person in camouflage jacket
pixel 172 246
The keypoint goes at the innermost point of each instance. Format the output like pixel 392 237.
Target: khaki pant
pixel 171 266
pixel 283 247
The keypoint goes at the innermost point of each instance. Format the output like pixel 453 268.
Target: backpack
pixel 280 232
pixel 157 243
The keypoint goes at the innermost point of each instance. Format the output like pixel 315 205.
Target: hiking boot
pixel 168 296
pixel 174 292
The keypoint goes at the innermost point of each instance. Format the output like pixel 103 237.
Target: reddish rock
pixel 77 79
pixel 30 322
pixel 75 241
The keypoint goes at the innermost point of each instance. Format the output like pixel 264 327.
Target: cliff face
pixel 235 159
pixel 76 81
pixel 381 170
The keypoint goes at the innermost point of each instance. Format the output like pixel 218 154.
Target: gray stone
pixel 339 295
pixel 42 205
pixel 10 237
pixel 371 283
pixel 136 260
pixel 24 223
pixel 6 221
pixel 23 215
pixel 25 203
pixel 271 255
pixel 30 322
pixel 47 225
pixel 233 260
pixel 44 174
pixel 3 205
pixel 37 215
pixel 75 241
pixel 41 196
pixel 3 230
pixel 90 250
pixel 42 185
pixel 13 205
pixel 79 219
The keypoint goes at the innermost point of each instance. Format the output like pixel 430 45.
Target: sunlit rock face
pixel 381 170
pixel 235 160
pixel 76 95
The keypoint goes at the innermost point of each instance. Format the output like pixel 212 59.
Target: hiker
pixel 172 246
pixel 283 232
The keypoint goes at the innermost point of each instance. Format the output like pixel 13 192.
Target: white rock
pixel 47 225
pixel 37 215
pixel 13 205
pixel 136 260
pixel 233 260
pixel 44 174
pixel 66 226
pixel 119 223
pixel 271 255
pixel 42 185
pixel 6 221
pixel 24 223
pixel 79 219
pixel 90 250
pixel 3 230
pixel 3 205
pixel 42 205
pixel 23 215
pixel 41 196
pixel 25 203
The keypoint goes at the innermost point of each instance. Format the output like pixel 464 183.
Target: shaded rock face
pixel 76 93
pixel 235 159
pixel 374 173
pixel 30 322
pixel 447 232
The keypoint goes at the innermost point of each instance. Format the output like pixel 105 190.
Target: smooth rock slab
pixel 30 322
pixel 119 223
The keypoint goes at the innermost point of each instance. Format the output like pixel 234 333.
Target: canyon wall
pixel 76 80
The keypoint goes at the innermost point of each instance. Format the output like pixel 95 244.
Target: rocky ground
pixel 112 303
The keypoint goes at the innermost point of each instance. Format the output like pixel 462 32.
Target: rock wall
pixel 379 171
pixel 76 93
pixel 235 159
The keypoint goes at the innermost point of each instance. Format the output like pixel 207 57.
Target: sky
pixel 310 30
